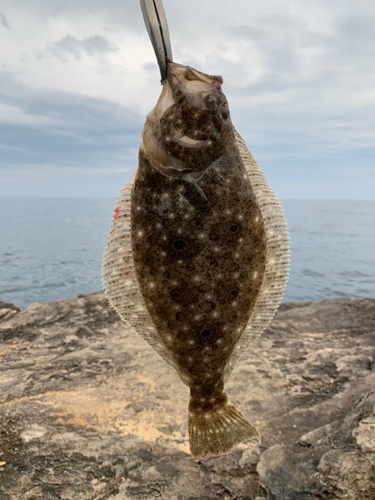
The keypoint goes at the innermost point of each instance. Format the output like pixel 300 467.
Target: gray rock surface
pixel 89 411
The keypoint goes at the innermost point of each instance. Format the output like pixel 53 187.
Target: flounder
pixel 198 253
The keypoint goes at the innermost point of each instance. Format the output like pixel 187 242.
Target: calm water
pixel 51 248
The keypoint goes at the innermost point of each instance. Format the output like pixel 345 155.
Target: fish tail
pixel 218 431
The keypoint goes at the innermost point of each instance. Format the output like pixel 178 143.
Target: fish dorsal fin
pixel 120 281
pixel 277 260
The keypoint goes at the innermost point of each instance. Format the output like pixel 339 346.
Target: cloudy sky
pixel 78 78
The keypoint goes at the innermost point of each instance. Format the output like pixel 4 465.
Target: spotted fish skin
pixel 199 264
pixel 208 260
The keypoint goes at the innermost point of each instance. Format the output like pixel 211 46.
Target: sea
pixel 51 248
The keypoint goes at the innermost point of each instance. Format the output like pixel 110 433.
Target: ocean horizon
pixel 51 248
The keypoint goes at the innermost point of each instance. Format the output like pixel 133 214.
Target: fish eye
pixel 211 101
pixel 225 111
pixel 179 244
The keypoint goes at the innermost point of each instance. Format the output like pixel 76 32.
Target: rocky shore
pixel 89 412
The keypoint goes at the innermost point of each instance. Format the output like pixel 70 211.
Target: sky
pixel 78 78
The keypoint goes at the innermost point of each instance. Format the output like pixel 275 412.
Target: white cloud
pixel 72 46
pixel 4 20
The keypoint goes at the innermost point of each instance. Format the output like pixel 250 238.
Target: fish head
pixel 190 125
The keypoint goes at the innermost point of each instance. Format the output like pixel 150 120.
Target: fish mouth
pixel 183 135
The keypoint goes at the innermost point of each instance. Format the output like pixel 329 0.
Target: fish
pixel 197 256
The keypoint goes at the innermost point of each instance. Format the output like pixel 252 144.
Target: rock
pixel 289 472
pixel 251 456
pixel 364 435
pixel 33 431
pixel 89 411
pixel 7 311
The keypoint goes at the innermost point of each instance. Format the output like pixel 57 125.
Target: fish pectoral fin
pixel 218 431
